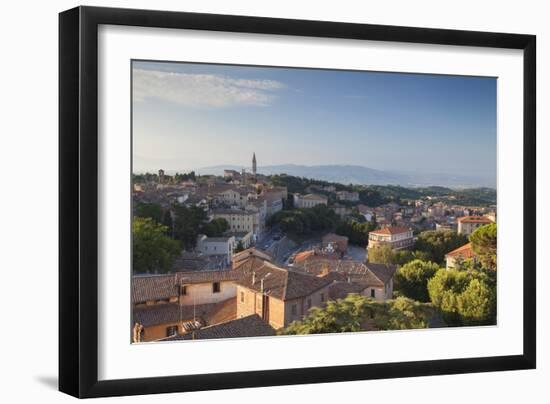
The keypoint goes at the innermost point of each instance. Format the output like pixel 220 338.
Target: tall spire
pixel 254 164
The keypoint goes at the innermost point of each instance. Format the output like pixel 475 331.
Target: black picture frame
pixel 78 200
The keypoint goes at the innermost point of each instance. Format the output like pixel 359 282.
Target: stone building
pixel 279 296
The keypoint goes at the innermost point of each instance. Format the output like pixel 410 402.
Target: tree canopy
pixel 215 227
pixel 438 243
pixel 464 297
pixel 152 210
pixel 386 255
pixel 188 224
pixel 358 313
pixel 412 279
pixel 305 221
pixel 484 244
pixel 153 251
pixel 357 233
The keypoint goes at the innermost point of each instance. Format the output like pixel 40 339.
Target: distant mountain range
pixel 351 174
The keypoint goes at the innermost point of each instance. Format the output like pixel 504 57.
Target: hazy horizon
pixel 191 116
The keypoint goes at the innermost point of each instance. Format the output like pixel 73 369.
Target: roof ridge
pixel 285 286
pixel 374 274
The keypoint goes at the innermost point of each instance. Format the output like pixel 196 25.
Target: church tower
pixel 254 164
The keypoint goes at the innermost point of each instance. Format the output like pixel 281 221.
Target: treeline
pixel 169 179
pixel 376 195
pixel 301 185
pixel 305 221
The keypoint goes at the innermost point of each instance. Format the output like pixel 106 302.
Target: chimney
pixel 253 278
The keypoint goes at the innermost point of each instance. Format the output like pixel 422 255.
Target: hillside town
pixel 249 255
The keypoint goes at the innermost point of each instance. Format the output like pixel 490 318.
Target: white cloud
pixel 203 90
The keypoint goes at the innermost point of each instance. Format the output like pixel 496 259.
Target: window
pixel 172 330
pixel 372 293
pixel 293 310
pixel 183 290
pixel 216 287
pixel 322 297
pixel 242 297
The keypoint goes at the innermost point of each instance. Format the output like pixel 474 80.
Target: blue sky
pixel 187 116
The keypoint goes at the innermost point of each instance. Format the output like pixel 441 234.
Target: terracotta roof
pixel 302 256
pixel 382 271
pixel 223 311
pixel 206 276
pixel 368 273
pixel 210 313
pixel 339 290
pixel 155 287
pixel 249 326
pixel 474 219
pixel 465 252
pixel 335 277
pixel 251 252
pixel 312 255
pixel 166 313
pixel 391 230
pixel 334 237
pixel 278 282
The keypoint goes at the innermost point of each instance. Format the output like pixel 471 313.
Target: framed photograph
pixel 250 201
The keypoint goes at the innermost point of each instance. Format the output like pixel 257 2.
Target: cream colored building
pixel 396 237
pixel 468 224
pixel 239 196
pixel 240 220
pixel 309 200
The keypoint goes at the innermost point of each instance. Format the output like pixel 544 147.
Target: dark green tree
pixel 412 279
pixel 484 244
pixel 168 222
pixel 239 247
pixel 215 227
pixel 188 224
pixel 152 210
pixel 358 313
pixel 464 297
pixel 152 250
pixel 439 243
pixel 357 233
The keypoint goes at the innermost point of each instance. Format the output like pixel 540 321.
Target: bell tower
pixel 254 164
